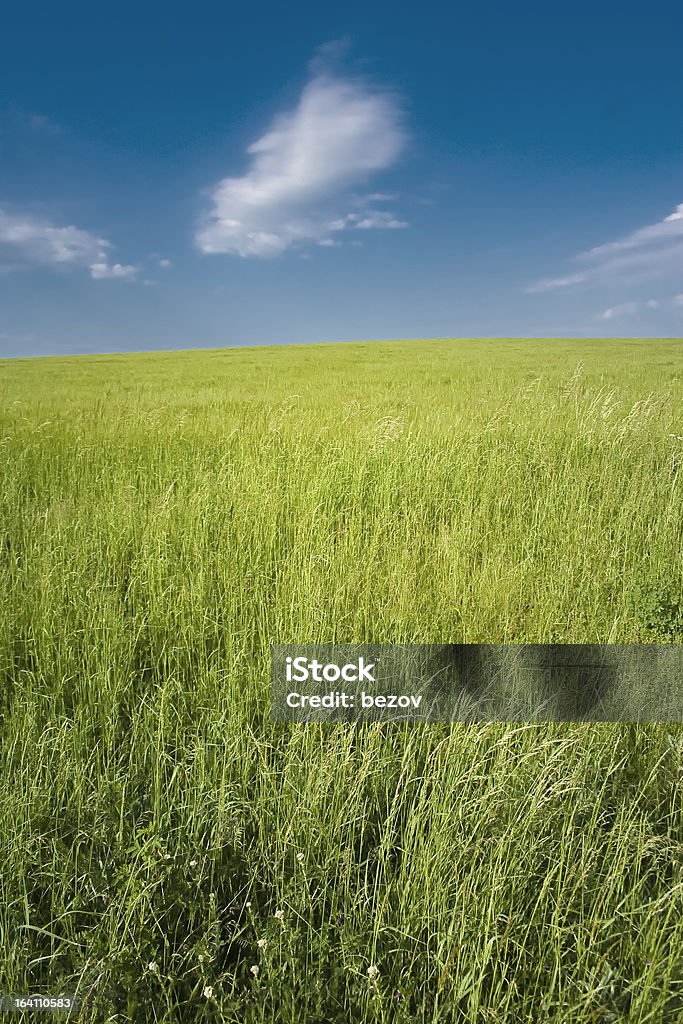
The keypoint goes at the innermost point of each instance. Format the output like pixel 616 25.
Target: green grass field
pixel 172 855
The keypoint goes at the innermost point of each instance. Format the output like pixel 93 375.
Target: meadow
pixel 172 855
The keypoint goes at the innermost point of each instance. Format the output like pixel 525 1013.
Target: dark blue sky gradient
pixel 536 132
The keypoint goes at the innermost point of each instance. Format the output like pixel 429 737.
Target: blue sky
pixel 177 176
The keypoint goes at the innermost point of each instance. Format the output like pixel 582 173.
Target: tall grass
pixel 165 518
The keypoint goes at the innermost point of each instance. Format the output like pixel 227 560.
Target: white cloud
pixel 37 242
pixel 629 308
pixel 340 133
pixel 165 264
pixel 42 242
pixel 369 219
pixel 623 309
pixel 670 227
pixel 375 219
pixel 341 222
pixel 372 197
pixel 102 271
pixel 652 251
pixel 678 299
pixel 549 283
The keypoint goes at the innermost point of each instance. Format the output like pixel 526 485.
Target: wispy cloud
pixel 549 283
pixel 18 119
pixel 631 308
pixel 628 309
pixel 374 197
pixel 623 309
pixel 665 230
pixel 44 125
pixel 369 219
pixel 341 132
pixel 654 251
pixel 35 242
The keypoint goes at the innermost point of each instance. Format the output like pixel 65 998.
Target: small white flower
pixel 193 863
pixel 300 857
pixel 247 905
pixel 208 992
pixel 279 914
pixel 373 971
pixel 262 943
pixel 152 967
pixel 254 970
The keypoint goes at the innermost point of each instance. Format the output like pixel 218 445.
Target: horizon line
pixel 315 344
